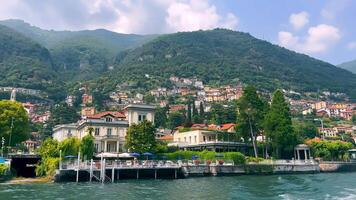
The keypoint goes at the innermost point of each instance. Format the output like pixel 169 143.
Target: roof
pixel 166 137
pixel 103 114
pixel 227 126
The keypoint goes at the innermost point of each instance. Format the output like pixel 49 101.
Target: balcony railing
pixel 116 137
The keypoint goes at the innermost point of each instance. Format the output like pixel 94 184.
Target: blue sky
pixel 322 29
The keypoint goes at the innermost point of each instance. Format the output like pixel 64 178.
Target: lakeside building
pixel 108 128
pixel 218 138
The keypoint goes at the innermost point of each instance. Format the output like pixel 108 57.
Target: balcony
pixel 109 137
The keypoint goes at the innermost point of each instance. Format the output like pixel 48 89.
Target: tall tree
pixel 160 117
pixel 251 111
pixel 14 123
pixel 201 110
pixel 188 121
pixel 87 146
pixel 175 119
pixel 278 127
pixel 141 137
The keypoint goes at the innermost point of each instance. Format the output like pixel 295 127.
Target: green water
pixel 310 186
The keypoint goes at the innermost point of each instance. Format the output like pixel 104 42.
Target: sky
pixel 324 29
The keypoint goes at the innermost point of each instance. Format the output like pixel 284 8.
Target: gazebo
pixel 352 155
pixel 302 152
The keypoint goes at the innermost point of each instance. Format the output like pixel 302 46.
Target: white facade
pixel 108 128
pixel 64 131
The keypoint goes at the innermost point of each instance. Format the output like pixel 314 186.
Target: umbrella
pixel 148 154
pixel 107 155
pixel 70 156
pixel 135 154
pixel 164 157
pixel 125 155
pixel 194 157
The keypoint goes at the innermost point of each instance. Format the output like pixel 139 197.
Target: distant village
pixel 122 104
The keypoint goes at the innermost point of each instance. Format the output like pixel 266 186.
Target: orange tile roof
pixel 166 137
pixel 227 126
pixel 103 114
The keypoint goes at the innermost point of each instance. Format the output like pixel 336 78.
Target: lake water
pixel 309 186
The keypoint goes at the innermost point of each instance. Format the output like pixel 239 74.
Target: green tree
pixel 175 119
pixel 87 146
pixel 141 137
pixel 278 127
pixel 14 123
pixel 305 129
pixel 69 146
pixel 49 148
pixel 63 114
pixel 201 111
pixel 161 117
pixel 251 111
pixel 188 120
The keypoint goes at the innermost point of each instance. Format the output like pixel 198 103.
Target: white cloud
pixel 197 14
pixel 351 45
pixel 126 16
pixel 299 20
pixel 319 39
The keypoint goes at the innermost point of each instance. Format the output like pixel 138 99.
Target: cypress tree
pixel 278 127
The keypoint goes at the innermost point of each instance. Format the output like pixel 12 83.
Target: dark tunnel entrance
pixel 24 165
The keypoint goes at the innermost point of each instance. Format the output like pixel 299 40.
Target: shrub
pixel 47 167
pixel 3 169
pixel 237 157
pixel 254 159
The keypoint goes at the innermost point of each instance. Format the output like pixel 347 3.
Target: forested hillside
pixel 80 55
pixel 65 59
pixel 25 63
pixel 223 56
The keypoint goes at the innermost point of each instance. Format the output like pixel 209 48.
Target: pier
pixel 106 171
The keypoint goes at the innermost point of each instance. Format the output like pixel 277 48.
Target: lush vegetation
pixel 106 59
pixel 3 169
pixel 14 122
pixel 278 127
pixel 50 152
pixel 140 137
pixel 330 150
pixel 236 157
pixel 222 56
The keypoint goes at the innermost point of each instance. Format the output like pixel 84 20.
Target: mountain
pixel 25 63
pixel 222 57
pixel 350 66
pixel 80 55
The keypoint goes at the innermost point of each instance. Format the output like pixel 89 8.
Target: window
pixel 141 118
pixel 108 119
pixel 97 131
pixel 195 139
pixel 190 139
pixel 96 146
pixel 108 131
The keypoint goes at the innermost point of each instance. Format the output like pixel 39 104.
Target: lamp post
pixel 322 126
pixel 12 126
pixel 2 146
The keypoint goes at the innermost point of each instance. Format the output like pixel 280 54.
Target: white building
pixel 108 128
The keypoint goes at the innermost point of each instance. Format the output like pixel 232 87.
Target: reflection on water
pixel 311 186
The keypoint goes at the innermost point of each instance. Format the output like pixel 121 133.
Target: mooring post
pixel 91 170
pixel 155 173
pixel 175 173
pixel 101 167
pixel 60 159
pixel 113 174
pixel 118 174
pixel 104 170
pixel 137 173
pixel 78 167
